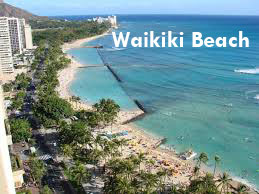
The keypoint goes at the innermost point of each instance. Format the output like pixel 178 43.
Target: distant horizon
pixel 135 7
pixel 150 14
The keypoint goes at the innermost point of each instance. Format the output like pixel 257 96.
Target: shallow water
pixel 200 98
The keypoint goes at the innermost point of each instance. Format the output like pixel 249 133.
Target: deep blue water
pixel 196 96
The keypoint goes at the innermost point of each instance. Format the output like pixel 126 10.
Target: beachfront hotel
pixel 15 38
pixel 111 19
pixel 6 59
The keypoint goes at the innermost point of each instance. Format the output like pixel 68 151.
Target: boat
pixel 188 155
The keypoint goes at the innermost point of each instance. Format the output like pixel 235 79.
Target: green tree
pixel 108 110
pixel 203 185
pixel 196 171
pixel 50 110
pixel 217 161
pixel 17 104
pixel 203 158
pixel 22 81
pixel 7 87
pixel 20 129
pixel 224 182
pixel 46 190
pixel 78 174
pixel 75 99
pixel 37 168
pixel 24 192
pixel 77 133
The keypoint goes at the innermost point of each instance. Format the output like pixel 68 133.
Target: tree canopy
pixel 50 110
pixel 20 129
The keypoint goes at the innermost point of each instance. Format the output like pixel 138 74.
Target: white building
pixel 111 19
pixel 15 38
pixel 16 31
pixel 6 59
pixel 6 178
pixel 28 37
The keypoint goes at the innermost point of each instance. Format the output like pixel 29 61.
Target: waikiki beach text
pixel 168 40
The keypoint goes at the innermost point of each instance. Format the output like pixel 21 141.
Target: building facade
pixel 16 32
pixel 28 37
pixel 6 178
pixel 6 59
pixel 111 19
pixel 15 38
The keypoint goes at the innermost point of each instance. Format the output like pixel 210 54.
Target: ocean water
pixel 206 99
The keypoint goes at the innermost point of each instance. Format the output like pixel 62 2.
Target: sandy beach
pixel 139 140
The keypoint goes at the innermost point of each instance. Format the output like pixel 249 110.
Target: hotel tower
pixel 15 36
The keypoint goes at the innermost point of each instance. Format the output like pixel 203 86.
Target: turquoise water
pixel 91 58
pixel 97 81
pixel 196 97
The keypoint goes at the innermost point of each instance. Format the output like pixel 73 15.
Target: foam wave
pixel 257 97
pixel 115 49
pixel 248 71
pixel 245 182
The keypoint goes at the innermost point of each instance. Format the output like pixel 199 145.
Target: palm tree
pixel 78 173
pixel 196 171
pixel 150 164
pixel 241 189
pixel 175 190
pixel 217 161
pixel 224 182
pixel 37 169
pixel 67 150
pixel 149 182
pixel 203 158
pixel 208 182
pixel 123 142
pixel 120 143
pixel 162 174
pixel 98 141
pixel 141 158
pixel 124 186
pixel 75 99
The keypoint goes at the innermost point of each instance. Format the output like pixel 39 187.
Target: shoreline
pixel 139 136
pixel 144 139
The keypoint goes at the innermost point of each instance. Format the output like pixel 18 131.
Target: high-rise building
pixel 6 59
pixel 15 36
pixel 6 178
pixel 113 21
pixel 16 31
pixel 28 37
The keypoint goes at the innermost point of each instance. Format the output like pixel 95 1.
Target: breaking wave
pixel 248 71
pixel 115 49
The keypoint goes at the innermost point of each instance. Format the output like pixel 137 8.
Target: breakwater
pixel 114 74
pixel 141 116
pixel 140 106
pixel 101 56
